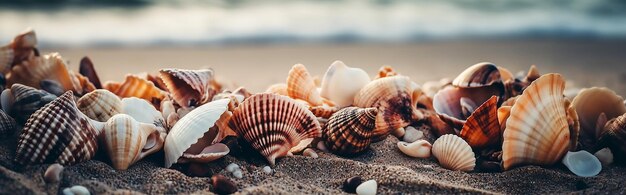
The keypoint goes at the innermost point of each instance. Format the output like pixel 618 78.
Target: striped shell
pixel 479 75
pixel 58 132
pixel 135 86
pixel 386 71
pixel 341 83
pixel 7 125
pixel 197 130
pixel 482 128
pixel 323 111
pixel 349 131
pixel 278 88
pixel 21 48
pixel 189 88
pixel 127 141
pixel 21 101
pixel 6 58
pixel 417 149
pixel 100 105
pixel 273 124
pixel 614 136
pixel 460 102
pixel 537 131
pixel 590 103
pixel 300 85
pixel 454 153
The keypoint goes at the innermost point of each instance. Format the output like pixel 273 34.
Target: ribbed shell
pixel 341 83
pixel 482 128
pixel 21 48
pixel 126 141
pixel 135 86
pixel 614 136
pixel 386 71
pixel 7 125
pixel 273 124
pixel 59 133
pixel 349 131
pixel 100 105
pixel 6 58
pixel 589 104
pixel 537 130
pixel 454 153
pixel 189 87
pixel 323 111
pixel 142 111
pixel 278 88
pixel 448 100
pixel 478 75
pixel 300 85
pixel 21 101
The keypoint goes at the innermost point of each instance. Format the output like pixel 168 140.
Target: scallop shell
pixel 189 88
pixel 478 75
pixel 127 141
pixel 537 131
pixel 100 105
pixel 393 97
pixel 21 101
pixel 386 71
pixel 198 129
pixel 454 153
pixel 300 85
pixel 349 131
pixel 614 136
pixel 278 88
pixel 482 128
pixel 142 111
pixel 135 86
pixel 590 103
pixel 341 83
pixel 417 149
pixel 58 132
pixel 323 111
pixel 273 124
pixel 7 125
pixel 448 100
pixel 88 70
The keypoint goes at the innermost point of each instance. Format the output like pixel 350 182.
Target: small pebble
pixel 310 153
pixel 267 169
pixel 53 173
pixel 238 174
pixel 322 146
pixel 367 188
pixel 223 185
pixel 350 184
pixel 411 134
pixel 232 167
pixel 605 156
pixel 76 190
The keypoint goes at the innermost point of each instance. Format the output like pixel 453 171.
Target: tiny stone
pixel 367 188
pixel 350 184
pixel 223 185
pixel 238 174
pixel 79 190
pixel 267 169
pixel 605 156
pixel 322 146
pixel 53 173
pixel 232 167
pixel 411 134
pixel 67 191
pixel 310 153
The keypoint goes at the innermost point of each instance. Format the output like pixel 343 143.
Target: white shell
pixel 367 188
pixel 341 83
pixel 454 153
pixel 143 111
pixel 411 134
pixel 418 149
pixel 605 156
pixel 582 163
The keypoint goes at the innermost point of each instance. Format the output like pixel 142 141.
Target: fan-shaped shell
pixel 482 128
pixel 300 85
pixel 278 88
pixel 21 101
pixel 142 111
pixel 7 125
pixel 614 136
pixel 58 132
pixel 537 131
pixel 273 124
pixel 100 105
pixel 454 153
pixel 135 86
pixel 449 100
pixel 341 83
pixel 349 131
pixel 189 87
pixel 127 141
pixel 478 75
pixel 589 104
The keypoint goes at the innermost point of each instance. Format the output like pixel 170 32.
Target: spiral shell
pixel 590 103
pixel 21 101
pixel 478 75
pixel 127 141
pixel 323 111
pixel 273 124
pixel 341 83
pixel 135 86
pixel 7 125
pixel 142 111
pixel 100 105
pixel 614 136
pixel 454 153
pixel 349 131
pixel 300 85
pixel 58 132
pixel 482 128
pixel 189 87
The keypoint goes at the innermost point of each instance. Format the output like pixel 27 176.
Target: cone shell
pixel 482 128
pixel 189 87
pixel 273 124
pixel 58 132
pixel 454 153
pixel 126 141
pixel 135 86
pixel 589 104
pixel 300 85
pixel 478 75
pixel 7 125
pixel 21 101
pixel 349 131
pixel 341 83
pixel 614 136
pixel 100 105
pixel 537 131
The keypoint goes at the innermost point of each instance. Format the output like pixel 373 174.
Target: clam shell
pixel 21 101
pixel 58 132
pixel 88 70
pixel 126 141
pixel 349 131
pixel 300 85
pixel 273 124
pixel 278 88
pixel 7 125
pixel 189 87
pixel 341 83
pixel 478 75
pixel 417 149
pixel 393 96
pixel 582 163
pixel 142 111
pixel 614 136
pixel 589 104
pixel 454 153
pixel 21 48
pixel 323 111
pixel 100 105
pixel 482 128
pixel 135 86
pixel 537 131
pixel 198 128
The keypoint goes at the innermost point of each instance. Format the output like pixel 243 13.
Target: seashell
pixel 482 128
pixel 350 184
pixel 273 124
pixel 417 149
pixel 189 88
pixel 58 132
pixel 478 75
pixel 452 101
pixel 323 111
pixel 605 156
pixel 53 173
pixel 590 103
pixel 127 141
pixel 223 185
pixel 454 153
pixel 349 131
pixel 341 83
pixel 135 86
pixel 52 86
pixel 21 48
pixel 310 153
pixel 537 131
pixel 367 188
pixel 77 190
pixel 614 137
pixel 112 86
pixel 431 88
pixel 100 105
pixel 411 134
pixel 195 137
pixel 393 96
pixel 142 111
pixel 88 70
pixel 21 101
pixel 582 163
pixel 504 113
pixel 386 71
pixel 7 125
pixel 300 85
pixel 6 58
pixel 278 88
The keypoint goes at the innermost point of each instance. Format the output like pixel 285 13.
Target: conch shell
pixel 189 88
pixel 127 141
pixel 20 101
pixel 341 83
pixel 614 136
pixel 300 85
pixel 349 130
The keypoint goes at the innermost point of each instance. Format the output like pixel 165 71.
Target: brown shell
pixel 614 136
pixel 189 88
pixel 300 85
pixel 127 141
pixel 589 104
pixel 7 125
pixel 478 75
pixel 88 70
pixel 349 131
pixel 386 71
pixel 59 133
pixel 448 100
pixel 273 124
pixel 21 48
pixel 482 128
pixel 135 86
pixel 21 101
pixel 100 105
pixel 323 111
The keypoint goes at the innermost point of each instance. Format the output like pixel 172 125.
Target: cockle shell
pixel 349 130
pixel 394 98
pixel 454 153
pixel 134 86
pixel 7 125
pixel 300 85
pixel 142 111
pixel 273 124
pixel 537 131
pixel 201 129
pixel 278 88
pixel 21 101
pixel 127 141
pixel 341 83
pixel 417 149
pixel 590 103
pixel 189 88
pixel 100 105
pixel 614 136
pixel 58 132
pixel 482 128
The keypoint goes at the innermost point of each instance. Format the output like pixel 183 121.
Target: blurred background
pixel 254 43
